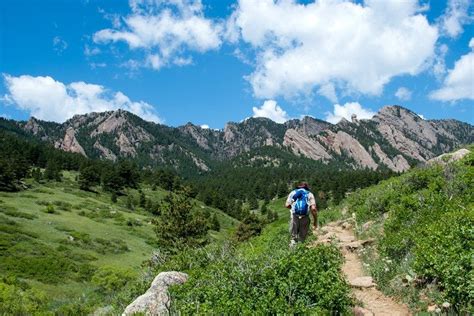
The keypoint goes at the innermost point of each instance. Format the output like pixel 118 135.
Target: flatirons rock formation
pixel 395 138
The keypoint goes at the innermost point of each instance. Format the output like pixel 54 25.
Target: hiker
pixel 301 201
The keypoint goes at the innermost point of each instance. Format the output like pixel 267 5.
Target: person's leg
pixel 303 228
pixel 294 228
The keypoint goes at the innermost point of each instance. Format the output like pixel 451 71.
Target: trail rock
pixel 360 311
pixel 156 299
pixel 367 242
pixel 346 239
pixel 362 282
pixel 354 245
pixel 347 226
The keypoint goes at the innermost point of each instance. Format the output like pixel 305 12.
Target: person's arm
pixel 288 202
pixel 314 212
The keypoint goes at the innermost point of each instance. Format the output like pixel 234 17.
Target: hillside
pixel 421 224
pixel 63 247
pixel 395 139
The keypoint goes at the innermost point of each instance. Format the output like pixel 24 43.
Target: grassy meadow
pixel 65 244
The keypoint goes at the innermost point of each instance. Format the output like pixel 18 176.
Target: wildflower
pixel 446 305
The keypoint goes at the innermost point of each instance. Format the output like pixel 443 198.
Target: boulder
pixel 156 300
pixel 362 282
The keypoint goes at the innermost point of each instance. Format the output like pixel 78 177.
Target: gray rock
pixel 362 282
pixel 156 300
pixel 353 245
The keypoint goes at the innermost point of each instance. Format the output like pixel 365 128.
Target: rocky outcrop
pixel 450 157
pixel 397 164
pixel 343 143
pixel 33 126
pixel 105 152
pixel 70 143
pixel 308 147
pixel 156 300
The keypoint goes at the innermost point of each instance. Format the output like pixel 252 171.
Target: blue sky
pixel 210 62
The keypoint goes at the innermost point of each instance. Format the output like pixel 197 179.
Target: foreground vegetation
pixel 66 250
pixel 423 222
pixel 261 276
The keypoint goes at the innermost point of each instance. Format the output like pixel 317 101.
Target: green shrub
pixel 445 253
pixel 17 301
pixel 249 227
pixel 307 280
pixel 428 233
pixel 63 206
pixel 50 209
pixel 109 279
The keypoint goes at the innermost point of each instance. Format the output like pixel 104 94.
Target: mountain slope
pixel 395 138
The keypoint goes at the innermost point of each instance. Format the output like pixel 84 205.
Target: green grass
pixel 85 231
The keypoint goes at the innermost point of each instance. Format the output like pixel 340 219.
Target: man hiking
pixel 301 201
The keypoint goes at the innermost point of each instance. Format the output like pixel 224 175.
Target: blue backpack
pixel 301 202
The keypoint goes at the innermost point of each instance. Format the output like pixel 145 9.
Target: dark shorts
pixel 299 227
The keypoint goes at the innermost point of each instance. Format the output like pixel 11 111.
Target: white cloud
pixel 91 51
pixel 403 94
pixel 329 91
pixel 358 47
pixel 164 30
pixel 459 83
pixel 270 109
pixel 52 100
pixel 456 15
pixel 205 126
pixel 346 111
pixel 439 64
pixel 59 45
pixel 422 116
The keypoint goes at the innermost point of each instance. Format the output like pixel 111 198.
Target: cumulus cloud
pixel 164 31
pixel 346 111
pixel 403 94
pixel 205 126
pixel 59 45
pixel 459 83
pixel 357 47
pixel 270 109
pixel 52 100
pixel 456 15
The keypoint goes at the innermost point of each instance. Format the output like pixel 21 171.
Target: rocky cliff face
pixel 395 138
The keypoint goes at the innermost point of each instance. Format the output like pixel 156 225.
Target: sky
pixel 213 61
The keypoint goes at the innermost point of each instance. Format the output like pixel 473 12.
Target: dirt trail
pixel 364 290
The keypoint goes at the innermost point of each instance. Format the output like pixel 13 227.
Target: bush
pixel 307 280
pixel 109 279
pixel 445 253
pixel 17 301
pixel 249 227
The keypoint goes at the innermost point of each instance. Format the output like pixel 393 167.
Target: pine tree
pixel 178 226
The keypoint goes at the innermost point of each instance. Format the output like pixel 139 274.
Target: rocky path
pixel 364 289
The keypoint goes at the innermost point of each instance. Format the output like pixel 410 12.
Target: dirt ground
pixel 364 290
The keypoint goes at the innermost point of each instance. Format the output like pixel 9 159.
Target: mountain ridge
pixel 395 138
